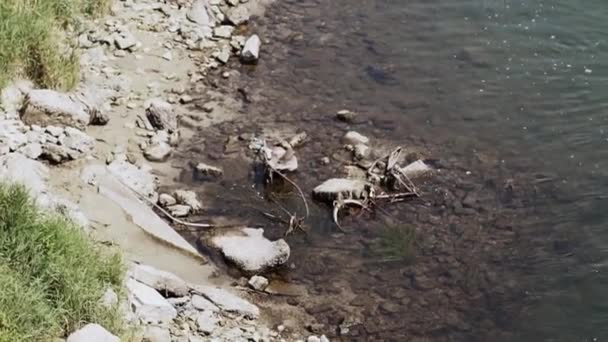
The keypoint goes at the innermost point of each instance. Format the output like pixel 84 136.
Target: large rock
pixel 251 50
pixel 238 15
pixel 161 115
pixel 227 301
pixel 250 251
pixel 150 306
pixel 45 107
pixel 138 179
pixel 201 303
pixel 162 281
pixel 207 322
pixel 77 141
pixel 341 188
pixel 92 333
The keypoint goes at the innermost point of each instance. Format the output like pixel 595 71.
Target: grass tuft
pixel 396 243
pixel 30 39
pixel 51 275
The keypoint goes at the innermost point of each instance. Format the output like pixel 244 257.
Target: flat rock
pixel 77 140
pixel 45 107
pixel 136 178
pixel 251 50
pixel 161 115
pixel 354 138
pixel 201 303
pixel 158 152
pixel 149 305
pixel 341 188
pixel 224 31
pixel 250 251
pixel 92 333
pixel 162 281
pixel 228 301
pixel 124 40
pixel 238 15
pixel 139 213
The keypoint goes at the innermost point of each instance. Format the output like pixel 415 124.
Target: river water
pixel 503 89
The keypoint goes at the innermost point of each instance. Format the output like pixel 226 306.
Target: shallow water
pixel 506 89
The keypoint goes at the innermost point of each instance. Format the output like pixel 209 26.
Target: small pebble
pixel 226 74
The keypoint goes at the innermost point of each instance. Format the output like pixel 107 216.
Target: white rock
pixel 156 334
pixel 161 115
pixel 202 304
pixel 204 170
pixel 179 210
pixel 323 338
pixel 54 130
pixel 224 31
pixel 158 152
pixel 251 51
pixel 149 305
pixel 124 40
pixel 188 198
pixel 47 107
pixel 166 200
pixel 12 96
pixel 227 301
pixel 238 15
pixel 336 188
pixel 92 333
pixel 77 140
pixel 361 151
pixel 162 281
pixel 198 14
pixel 223 55
pixel 258 283
pixel 207 322
pixel 249 250
pixel 416 169
pixel 138 179
pixel 313 338
pixel 281 158
pixel 354 138
pixel 109 298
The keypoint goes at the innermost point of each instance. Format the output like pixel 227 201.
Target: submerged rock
pixel 251 50
pixel 354 138
pixel 92 332
pixel 45 107
pixel 341 188
pixel 250 251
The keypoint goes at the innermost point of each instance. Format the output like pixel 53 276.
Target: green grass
pixel 51 275
pixel 396 243
pixel 30 39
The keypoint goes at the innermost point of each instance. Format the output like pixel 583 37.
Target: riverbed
pixel 503 98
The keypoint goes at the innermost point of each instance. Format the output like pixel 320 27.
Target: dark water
pixel 504 88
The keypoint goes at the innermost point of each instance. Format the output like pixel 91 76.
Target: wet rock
pixel 250 251
pixel 109 298
pixel 92 332
pixel 224 31
pixel 188 198
pixel 341 188
pixel 207 322
pixel 346 116
pixel 47 107
pixel 203 170
pixel 202 304
pixel 162 281
pixel 161 116
pixel 416 169
pixel 198 14
pixel 258 283
pixel 166 200
pixel 179 210
pixel 156 334
pixel 149 305
pixel 158 153
pixel 251 50
pixel 238 15
pixel 227 301
pixel 354 138
pixel 282 158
